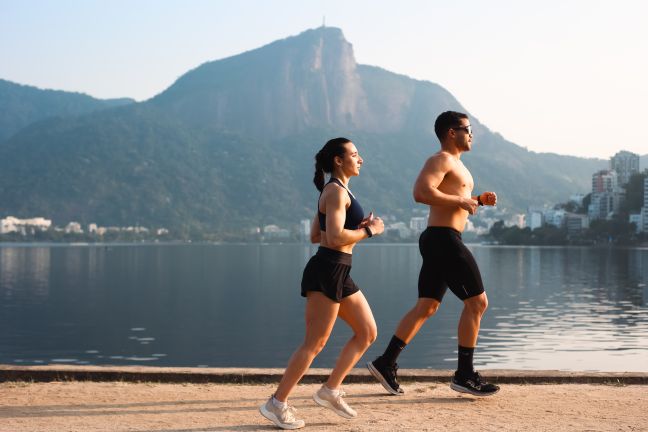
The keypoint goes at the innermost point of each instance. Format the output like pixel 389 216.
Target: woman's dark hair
pixel 324 159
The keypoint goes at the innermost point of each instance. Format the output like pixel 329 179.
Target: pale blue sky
pixel 561 76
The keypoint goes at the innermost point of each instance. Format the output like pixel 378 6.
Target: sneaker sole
pixel 376 374
pixel 462 389
pixel 327 404
pixel 273 418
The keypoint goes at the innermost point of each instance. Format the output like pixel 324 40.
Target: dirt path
pixel 115 406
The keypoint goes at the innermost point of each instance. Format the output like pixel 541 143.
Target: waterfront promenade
pixel 74 398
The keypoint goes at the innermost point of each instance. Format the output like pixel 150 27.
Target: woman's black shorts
pixel 328 272
pixel 447 262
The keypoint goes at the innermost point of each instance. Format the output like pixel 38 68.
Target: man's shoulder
pixel 441 159
pixel 443 156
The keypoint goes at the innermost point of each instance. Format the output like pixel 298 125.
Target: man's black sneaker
pixel 386 375
pixel 473 384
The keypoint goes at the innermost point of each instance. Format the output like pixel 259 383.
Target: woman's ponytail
pixel 324 159
pixel 318 179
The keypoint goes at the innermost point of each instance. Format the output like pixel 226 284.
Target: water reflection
pixel 239 305
pixel 24 271
pixel 585 309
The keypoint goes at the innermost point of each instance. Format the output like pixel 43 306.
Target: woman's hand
pixel 365 222
pixel 376 225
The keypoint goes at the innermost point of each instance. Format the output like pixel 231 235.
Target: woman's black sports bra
pixel 354 214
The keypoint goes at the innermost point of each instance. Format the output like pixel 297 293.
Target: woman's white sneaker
pixel 283 417
pixel 332 399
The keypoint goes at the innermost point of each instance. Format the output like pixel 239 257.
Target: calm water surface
pixel 239 305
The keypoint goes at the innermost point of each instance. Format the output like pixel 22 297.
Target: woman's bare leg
pixel 321 313
pixel 355 311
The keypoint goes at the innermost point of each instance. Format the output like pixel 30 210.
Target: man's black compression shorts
pixel 447 262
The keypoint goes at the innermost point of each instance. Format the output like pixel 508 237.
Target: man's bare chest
pixel 458 180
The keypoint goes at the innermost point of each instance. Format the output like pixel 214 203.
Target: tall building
pixel 606 195
pixel 625 164
pixel 604 181
pixel 304 229
pixel 644 209
pixel 534 218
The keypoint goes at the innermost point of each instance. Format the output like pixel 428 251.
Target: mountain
pixel 230 145
pixel 21 105
pixel 136 165
pixel 300 83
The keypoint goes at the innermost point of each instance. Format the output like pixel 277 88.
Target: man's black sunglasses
pixel 467 129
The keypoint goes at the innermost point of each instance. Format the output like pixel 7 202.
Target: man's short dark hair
pixel 446 121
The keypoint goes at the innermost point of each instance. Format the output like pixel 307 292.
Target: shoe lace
pixel 288 413
pixel 339 399
pixel 392 370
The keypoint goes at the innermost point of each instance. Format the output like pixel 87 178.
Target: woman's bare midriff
pixel 346 248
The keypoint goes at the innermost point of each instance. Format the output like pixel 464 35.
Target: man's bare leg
pixel 413 320
pixel 470 320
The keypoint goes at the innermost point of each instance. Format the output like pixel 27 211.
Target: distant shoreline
pixel 26 244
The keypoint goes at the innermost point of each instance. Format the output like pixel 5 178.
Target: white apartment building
pixel 517 220
pixel 304 229
pixel 400 229
pixel 73 228
pixel 418 224
pixel 274 232
pixel 13 224
pixel 555 217
pixel 534 218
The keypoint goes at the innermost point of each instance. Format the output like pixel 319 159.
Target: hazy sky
pixel 564 76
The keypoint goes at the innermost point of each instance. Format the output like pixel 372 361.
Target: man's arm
pixel 426 187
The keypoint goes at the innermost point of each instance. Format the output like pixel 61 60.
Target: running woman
pixel 445 184
pixel 329 290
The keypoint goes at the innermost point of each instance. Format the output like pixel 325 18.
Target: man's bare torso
pixel 458 181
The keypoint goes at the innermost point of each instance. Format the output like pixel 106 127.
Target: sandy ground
pixel 118 406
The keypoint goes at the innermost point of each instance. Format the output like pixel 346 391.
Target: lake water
pixel 239 305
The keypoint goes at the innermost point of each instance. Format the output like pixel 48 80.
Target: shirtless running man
pixel 445 184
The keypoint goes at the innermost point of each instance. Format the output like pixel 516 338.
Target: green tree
pixel 611 231
pixel 634 197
